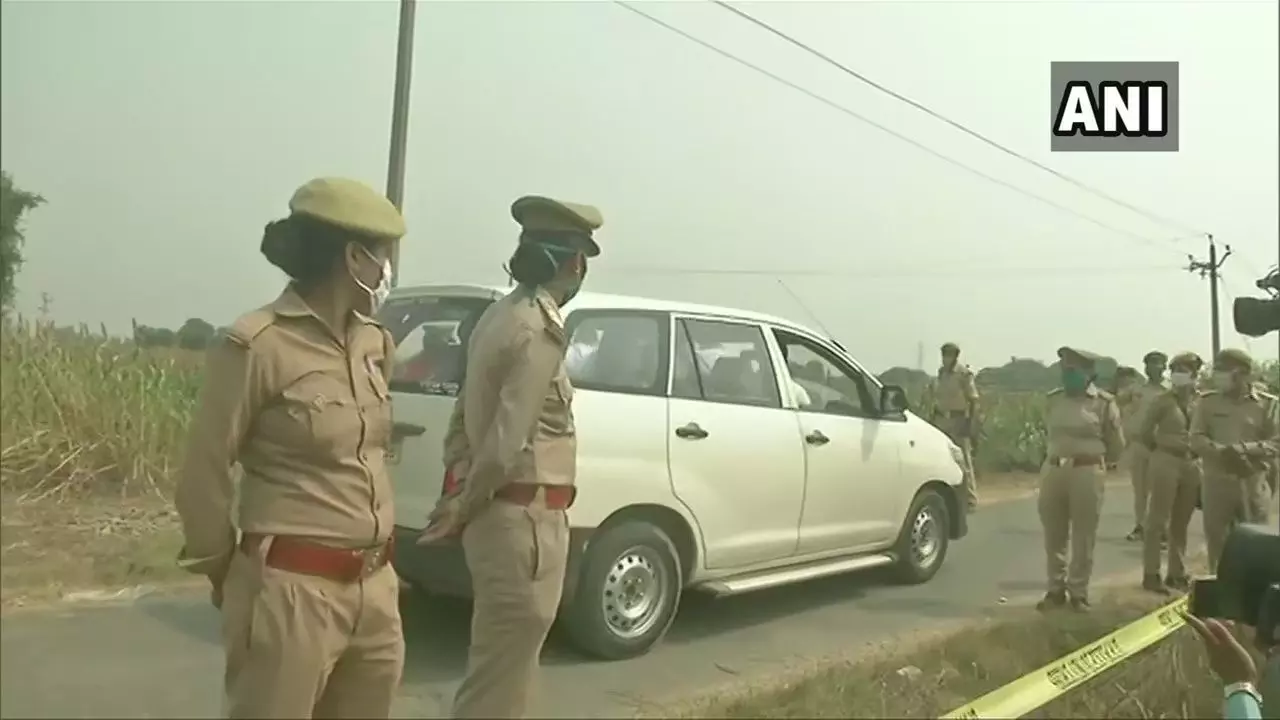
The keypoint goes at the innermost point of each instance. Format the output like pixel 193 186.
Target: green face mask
pixel 1074 380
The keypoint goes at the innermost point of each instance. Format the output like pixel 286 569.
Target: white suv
pixel 719 450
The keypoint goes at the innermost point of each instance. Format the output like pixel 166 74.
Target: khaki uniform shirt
pixel 1134 402
pixel 513 422
pixel 1085 425
pixel 307 415
pixel 1220 420
pixel 1166 424
pixel 954 390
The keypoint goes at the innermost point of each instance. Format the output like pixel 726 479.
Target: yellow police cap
pixel 1187 359
pixel 348 204
pixel 1078 355
pixel 1233 357
pixel 535 212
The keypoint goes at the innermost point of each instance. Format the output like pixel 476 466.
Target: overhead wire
pixel 949 271
pixel 887 130
pixel 1096 192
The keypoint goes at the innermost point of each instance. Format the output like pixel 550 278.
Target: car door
pixel 734 453
pixel 853 470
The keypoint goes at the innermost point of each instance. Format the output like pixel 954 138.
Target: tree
pixel 14 204
pixel 195 334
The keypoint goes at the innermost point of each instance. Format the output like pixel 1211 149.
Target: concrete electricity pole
pixel 1210 270
pixel 400 121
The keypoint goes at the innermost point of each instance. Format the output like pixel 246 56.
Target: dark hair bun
pixel 531 265
pixel 280 246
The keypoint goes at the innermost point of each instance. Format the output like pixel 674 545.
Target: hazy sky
pixel 166 134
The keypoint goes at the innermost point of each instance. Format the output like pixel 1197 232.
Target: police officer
pixel 1173 475
pixel 1133 403
pixel 955 411
pixel 296 393
pixel 1234 429
pixel 512 451
pixel 1084 440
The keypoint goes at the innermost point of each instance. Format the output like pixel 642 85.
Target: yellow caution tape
pixel 1038 687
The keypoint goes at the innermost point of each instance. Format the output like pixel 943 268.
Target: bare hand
pixel 216 583
pixel 444 521
pixel 1228 658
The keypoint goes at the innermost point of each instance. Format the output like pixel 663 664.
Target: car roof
pixel 603 301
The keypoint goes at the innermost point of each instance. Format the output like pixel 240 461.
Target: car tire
pixel 924 539
pixel 627 592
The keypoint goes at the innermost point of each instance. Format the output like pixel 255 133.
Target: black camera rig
pixel 1256 317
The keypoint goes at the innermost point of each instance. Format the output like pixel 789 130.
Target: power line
pixel 1155 217
pixel 857 116
pixel 901 273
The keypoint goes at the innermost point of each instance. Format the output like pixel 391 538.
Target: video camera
pixel 1247 587
pixel 1256 317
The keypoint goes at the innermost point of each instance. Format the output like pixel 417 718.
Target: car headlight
pixel 958 455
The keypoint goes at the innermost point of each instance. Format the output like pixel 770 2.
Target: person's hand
pixel 1228 658
pixel 444 521
pixel 217 581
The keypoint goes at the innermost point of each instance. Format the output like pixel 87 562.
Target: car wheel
pixel 924 539
pixel 627 593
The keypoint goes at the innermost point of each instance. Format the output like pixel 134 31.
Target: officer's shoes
pixel 1135 534
pixel 1151 583
pixel 1052 600
pixel 1081 604
pixel 1181 584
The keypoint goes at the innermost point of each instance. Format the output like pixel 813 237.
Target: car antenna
pixel 805 308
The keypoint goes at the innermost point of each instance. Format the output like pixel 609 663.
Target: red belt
pixel 1078 461
pixel 555 497
pixel 308 558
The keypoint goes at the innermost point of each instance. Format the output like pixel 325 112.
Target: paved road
pixel 159 657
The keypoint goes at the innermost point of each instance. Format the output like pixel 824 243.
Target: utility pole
pixel 1210 269
pixel 920 355
pixel 400 122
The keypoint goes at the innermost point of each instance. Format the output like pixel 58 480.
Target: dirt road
pixel 158 657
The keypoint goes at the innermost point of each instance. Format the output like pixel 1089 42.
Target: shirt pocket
pixel 377 406
pixel 557 413
pixel 320 414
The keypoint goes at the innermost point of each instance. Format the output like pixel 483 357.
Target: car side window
pixel 824 383
pixel 686 376
pixel 617 351
pixel 730 361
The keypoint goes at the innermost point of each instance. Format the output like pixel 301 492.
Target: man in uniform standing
pixel 1173 475
pixel 512 454
pixel 955 411
pixel 1084 439
pixel 1234 430
pixel 1133 404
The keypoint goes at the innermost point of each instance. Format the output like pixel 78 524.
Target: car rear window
pixel 431 335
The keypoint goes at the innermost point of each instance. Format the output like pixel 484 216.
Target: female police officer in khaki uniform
pixel 512 447
pixel 296 394
pixel 1084 440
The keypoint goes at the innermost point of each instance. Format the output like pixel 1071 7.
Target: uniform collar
pixel 291 304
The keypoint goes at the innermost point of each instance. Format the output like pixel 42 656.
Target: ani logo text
pixel 1114 107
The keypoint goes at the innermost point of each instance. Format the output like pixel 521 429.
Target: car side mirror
pixel 893 400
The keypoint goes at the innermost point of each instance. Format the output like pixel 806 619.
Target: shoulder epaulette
pixel 1055 391
pixel 249 326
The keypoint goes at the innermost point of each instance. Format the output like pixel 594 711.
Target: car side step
pixel 786 576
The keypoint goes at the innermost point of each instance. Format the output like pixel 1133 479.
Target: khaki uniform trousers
pixel 957 428
pixel 1137 460
pixel 300 646
pixel 1070 506
pixel 517 557
pixel 1229 500
pixel 1174 483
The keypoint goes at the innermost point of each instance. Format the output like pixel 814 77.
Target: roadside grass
pixel 934 676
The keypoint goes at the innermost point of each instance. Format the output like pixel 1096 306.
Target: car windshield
pixel 430 334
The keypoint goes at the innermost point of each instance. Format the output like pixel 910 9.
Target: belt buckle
pixel 371 560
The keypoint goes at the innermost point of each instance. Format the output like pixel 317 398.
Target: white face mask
pixel 1223 380
pixel 1182 379
pixel 377 295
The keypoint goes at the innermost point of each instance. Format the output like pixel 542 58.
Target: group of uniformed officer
pixel 296 394
pixel 1184 447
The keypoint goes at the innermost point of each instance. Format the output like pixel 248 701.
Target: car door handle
pixel 817 438
pixel 401 430
pixel 692 431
